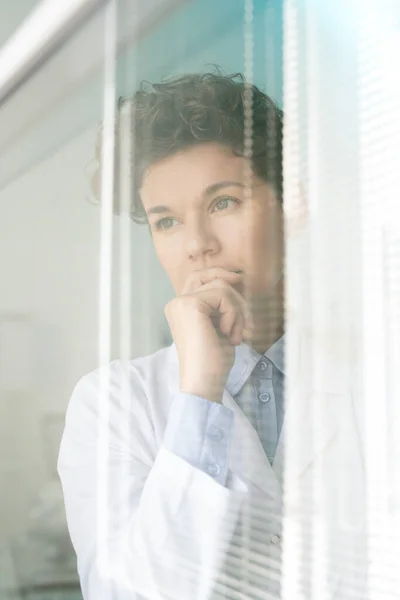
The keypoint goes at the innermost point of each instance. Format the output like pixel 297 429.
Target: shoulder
pixel 135 371
pixel 126 394
pixel 123 382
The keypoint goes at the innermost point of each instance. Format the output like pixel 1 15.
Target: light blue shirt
pixel 199 430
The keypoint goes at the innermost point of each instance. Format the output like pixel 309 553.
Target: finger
pixel 236 335
pixel 243 303
pixel 198 278
pixel 229 317
pixel 222 306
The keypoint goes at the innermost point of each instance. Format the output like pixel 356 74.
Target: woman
pixel 180 496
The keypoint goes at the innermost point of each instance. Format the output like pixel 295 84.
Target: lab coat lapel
pixel 312 410
pixel 247 456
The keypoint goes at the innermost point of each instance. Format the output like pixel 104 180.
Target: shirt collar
pixel 276 354
pixel 246 359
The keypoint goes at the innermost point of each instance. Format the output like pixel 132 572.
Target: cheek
pixel 268 250
pixel 252 240
pixel 170 256
pixel 261 243
pixel 233 237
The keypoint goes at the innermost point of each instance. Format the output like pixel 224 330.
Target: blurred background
pixel 330 66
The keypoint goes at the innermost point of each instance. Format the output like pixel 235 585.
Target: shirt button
pixel 214 470
pixel 216 434
pixel 275 539
pixel 264 397
pixel 263 365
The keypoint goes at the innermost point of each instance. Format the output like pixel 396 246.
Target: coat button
pixel 275 539
pixel 215 434
pixel 264 397
pixel 214 470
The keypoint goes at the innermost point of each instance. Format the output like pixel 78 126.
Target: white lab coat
pixel 168 530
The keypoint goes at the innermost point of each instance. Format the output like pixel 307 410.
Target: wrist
pixel 212 392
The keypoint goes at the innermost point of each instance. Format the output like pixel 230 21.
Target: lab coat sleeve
pixel 200 431
pixel 144 522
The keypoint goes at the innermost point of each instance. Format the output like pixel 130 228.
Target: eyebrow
pixel 208 191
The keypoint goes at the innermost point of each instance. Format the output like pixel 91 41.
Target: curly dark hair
pixel 193 109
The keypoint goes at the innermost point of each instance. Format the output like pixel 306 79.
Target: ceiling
pixel 65 97
pixel 67 91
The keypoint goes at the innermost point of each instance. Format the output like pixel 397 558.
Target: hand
pixel 207 320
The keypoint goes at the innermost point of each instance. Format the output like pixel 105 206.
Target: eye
pixel 164 223
pixel 224 203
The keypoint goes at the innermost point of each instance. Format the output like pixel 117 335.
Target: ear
pixel 296 211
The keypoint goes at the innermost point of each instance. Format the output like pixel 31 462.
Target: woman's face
pixel 200 216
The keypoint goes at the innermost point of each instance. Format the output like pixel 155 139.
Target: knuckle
pixel 168 308
pixel 172 305
pixel 224 287
pixel 175 309
pixel 188 301
pixel 222 284
pixel 191 279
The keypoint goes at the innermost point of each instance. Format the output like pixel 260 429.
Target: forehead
pixel 190 172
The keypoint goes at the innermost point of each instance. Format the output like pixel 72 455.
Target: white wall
pixel 12 15
pixel 49 264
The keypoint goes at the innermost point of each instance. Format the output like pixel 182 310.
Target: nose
pixel 200 239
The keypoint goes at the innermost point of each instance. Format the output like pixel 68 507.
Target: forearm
pixel 200 431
